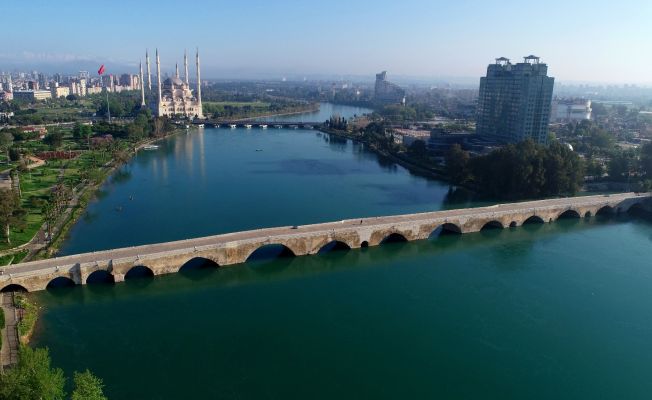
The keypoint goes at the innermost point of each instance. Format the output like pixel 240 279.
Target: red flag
pixel 101 70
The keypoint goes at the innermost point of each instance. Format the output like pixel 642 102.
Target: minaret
pixel 176 74
pixel 199 107
pixel 158 81
pixel 185 65
pixel 149 72
pixel 142 86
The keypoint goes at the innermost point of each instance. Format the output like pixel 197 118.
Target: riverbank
pixel 410 165
pixel 9 344
pixel 86 195
pixel 20 315
pixel 46 240
pixel 314 108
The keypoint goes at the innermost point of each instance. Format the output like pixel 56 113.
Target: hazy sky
pixel 581 40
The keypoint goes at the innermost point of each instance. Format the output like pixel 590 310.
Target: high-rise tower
pixel 515 99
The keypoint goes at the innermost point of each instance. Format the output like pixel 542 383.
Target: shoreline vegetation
pixel 514 172
pixel 240 112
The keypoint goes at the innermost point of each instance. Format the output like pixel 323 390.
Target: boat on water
pixel 233 126
pixel 187 126
pixel 150 147
pixel 200 125
pixel 259 149
pixel 263 126
pixel 248 126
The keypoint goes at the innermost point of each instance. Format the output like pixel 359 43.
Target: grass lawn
pixel 253 104
pixel 13 258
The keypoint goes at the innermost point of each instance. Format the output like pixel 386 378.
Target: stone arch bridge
pixel 235 248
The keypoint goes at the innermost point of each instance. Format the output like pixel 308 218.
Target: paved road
pixel 127 252
pixel 9 353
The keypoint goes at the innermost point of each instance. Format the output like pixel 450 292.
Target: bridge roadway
pixel 235 248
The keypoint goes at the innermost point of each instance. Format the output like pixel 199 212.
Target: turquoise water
pixel 557 310
pixel 212 181
pixel 545 311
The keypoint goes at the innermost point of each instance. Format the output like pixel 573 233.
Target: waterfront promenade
pixel 235 248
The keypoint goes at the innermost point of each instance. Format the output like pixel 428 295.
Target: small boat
pixel 187 126
pixel 150 147
pixel 263 126
pixel 200 125
pixel 248 126
pixel 259 149
pixel 233 126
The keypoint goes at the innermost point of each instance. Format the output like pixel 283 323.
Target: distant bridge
pixel 262 124
pixel 236 248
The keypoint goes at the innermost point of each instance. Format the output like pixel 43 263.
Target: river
pixel 544 311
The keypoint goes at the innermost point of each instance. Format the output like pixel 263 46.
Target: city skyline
pixel 582 42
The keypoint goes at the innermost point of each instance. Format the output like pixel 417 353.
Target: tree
pixel 32 377
pixel 6 140
pixel 50 215
pixel 528 170
pixel 620 165
pixel 11 214
pixel 87 387
pixel 457 164
pixel 646 159
pixel 418 149
pixel 54 139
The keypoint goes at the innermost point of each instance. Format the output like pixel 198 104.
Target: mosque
pixel 174 96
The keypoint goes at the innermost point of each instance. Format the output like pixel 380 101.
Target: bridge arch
pixel 450 227
pixel 492 225
pixel 605 211
pixel 139 271
pixel 394 237
pixel 570 213
pixel 334 245
pixel 636 208
pixel 513 224
pixel 100 277
pixel 382 236
pixel 59 282
pixel 533 219
pixel 13 287
pixel 270 251
pixel 198 263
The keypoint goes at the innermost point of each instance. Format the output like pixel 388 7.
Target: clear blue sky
pixel 597 40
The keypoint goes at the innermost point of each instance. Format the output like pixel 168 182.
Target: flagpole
pixel 100 72
pixel 108 110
